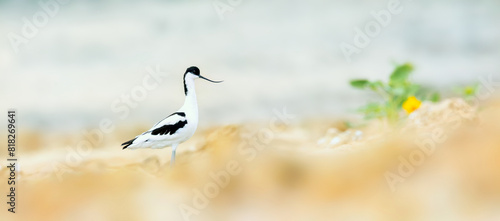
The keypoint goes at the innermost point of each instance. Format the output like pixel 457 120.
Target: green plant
pixel 395 93
pixel 468 92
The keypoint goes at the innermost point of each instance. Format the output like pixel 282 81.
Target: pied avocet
pixel 177 127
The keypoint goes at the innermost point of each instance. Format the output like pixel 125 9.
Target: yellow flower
pixel 411 104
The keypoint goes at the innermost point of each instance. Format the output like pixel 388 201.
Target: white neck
pixel 190 103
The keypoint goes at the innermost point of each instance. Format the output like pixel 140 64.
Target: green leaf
pixel 401 73
pixel 360 84
pixel 376 84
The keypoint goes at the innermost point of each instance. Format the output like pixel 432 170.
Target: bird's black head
pixel 196 72
pixel 193 70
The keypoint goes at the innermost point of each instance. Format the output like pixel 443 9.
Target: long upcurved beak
pixel 210 80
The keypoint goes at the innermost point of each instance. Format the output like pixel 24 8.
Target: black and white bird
pixel 177 127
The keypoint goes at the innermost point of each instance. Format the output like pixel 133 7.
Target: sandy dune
pixel 441 164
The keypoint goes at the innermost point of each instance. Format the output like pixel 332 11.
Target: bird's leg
pixel 172 159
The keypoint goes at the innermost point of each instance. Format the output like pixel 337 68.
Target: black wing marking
pixel 182 114
pixel 163 130
pixel 128 143
pixel 169 129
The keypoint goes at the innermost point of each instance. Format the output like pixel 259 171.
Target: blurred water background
pixel 271 54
